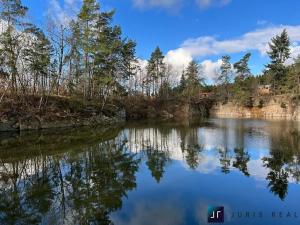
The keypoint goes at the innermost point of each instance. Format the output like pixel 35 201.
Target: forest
pixel 91 62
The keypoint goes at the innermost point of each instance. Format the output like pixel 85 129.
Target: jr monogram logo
pixel 215 214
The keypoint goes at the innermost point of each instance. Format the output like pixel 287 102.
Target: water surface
pixel 153 173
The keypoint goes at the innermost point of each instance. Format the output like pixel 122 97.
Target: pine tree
pixel 12 12
pixel 242 87
pixel 156 69
pixel 87 19
pixel 242 68
pixel 279 53
pixel 182 83
pixel 226 73
pixel 192 74
pixel 74 57
pixel 295 79
pixel 193 80
pixel 38 57
pixel 107 58
pixel 128 61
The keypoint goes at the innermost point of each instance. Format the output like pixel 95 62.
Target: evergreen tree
pixel 182 83
pixel 295 79
pixel 192 74
pixel 12 12
pixel 242 68
pixel 74 57
pixel 226 73
pixel 38 57
pixel 128 63
pixel 242 86
pixel 193 80
pixel 279 53
pixel 128 59
pixel 107 58
pixel 99 62
pixel 156 69
pixel 87 19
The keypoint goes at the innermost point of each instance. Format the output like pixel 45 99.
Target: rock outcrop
pixel 277 108
pixel 58 113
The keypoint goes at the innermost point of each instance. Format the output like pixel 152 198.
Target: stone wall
pixel 277 108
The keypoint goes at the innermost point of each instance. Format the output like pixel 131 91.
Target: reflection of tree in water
pixel 277 177
pixel 72 188
pixel 25 198
pixel 241 160
pixel 283 162
pixel 225 157
pixel 238 159
pixel 293 168
pixel 99 180
pixel 278 183
pixel 225 160
pixel 156 162
pixel 153 143
pixel 84 187
pixel 190 147
pixel 193 157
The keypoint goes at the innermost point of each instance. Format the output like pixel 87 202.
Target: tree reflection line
pixel 85 187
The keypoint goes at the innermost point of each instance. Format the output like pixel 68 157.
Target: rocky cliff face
pixel 277 108
pixel 58 113
pixel 37 123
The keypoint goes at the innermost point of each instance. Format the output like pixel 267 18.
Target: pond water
pixel 153 173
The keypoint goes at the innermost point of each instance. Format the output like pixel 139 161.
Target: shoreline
pixel 39 124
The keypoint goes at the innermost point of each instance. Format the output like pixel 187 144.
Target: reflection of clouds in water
pixel 140 139
pixel 152 213
pixel 210 138
pixel 254 137
pixel 218 138
pixel 257 169
pixel 208 164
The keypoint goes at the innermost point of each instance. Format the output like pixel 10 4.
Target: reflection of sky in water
pixel 252 136
pixel 243 165
pixel 183 195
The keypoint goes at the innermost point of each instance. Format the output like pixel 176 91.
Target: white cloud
pixel 167 4
pixel 63 12
pixel 206 46
pixel 176 4
pixel 211 69
pixel 295 53
pixel 255 40
pixel 208 3
pixel 141 74
pixel 178 59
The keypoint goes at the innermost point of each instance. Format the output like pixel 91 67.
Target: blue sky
pixel 200 29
